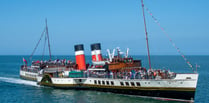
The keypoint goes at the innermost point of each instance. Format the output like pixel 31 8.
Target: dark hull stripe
pixel 176 93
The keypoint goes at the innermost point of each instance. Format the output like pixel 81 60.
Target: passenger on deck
pixel 111 74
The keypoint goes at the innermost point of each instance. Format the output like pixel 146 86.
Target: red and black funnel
pixel 80 57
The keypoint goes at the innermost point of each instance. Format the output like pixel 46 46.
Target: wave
pixel 18 81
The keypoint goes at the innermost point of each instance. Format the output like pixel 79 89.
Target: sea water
pixel 14 89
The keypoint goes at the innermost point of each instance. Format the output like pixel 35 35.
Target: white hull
pixel 181 81
pixel 181 87
pixel 28 75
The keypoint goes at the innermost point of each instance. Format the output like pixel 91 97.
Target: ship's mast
pixel 46 34
pixel 48 40
pixel 145 28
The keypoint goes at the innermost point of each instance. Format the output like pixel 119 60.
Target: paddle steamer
pixel 117 74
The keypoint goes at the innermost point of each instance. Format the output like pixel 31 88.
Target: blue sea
pixel 13 89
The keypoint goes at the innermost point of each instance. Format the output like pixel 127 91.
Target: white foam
pixel 18 81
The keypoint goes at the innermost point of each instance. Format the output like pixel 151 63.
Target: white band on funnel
pixel 81 52
pixel 95 52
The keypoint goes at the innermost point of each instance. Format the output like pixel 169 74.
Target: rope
pixel 174 45
pixel 37 44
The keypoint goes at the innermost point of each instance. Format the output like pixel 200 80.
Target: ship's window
pixel 181 82
pixel 148 82
pixel 103 82
pixel 112 83
pixel 121 83
pixel 138 84
pixel 95 82
pixel 158 82
pixel 132 84
pixel 127 83
pixel 107 82
pixel 99 82
pixel 188 78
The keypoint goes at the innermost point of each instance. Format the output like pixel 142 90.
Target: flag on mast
pixel 24 61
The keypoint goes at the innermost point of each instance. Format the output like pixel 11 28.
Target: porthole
pixel 107 82
pixel 132 84
pixel 112 83
pixel 121 83
pixel 127 83
pixel 95 82
pixel 138 84
pixel 103 82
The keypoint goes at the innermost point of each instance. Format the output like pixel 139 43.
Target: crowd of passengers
pixel 37 65
pixel 26 68
pixel 134 74
pixel 140 73
pixel 52 62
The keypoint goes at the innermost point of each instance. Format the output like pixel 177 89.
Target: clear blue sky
pixel 111 22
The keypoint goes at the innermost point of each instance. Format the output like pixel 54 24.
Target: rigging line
pixel 174 45
pixel 145 28
pixel 37 44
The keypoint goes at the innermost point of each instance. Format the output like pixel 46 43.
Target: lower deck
pixel 177 89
